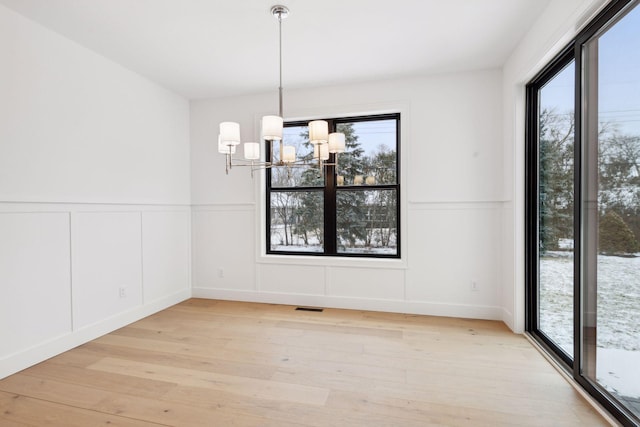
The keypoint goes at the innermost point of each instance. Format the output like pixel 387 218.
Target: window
pixel 353 208
pixel 583 209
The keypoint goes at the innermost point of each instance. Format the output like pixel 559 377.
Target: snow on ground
pixel 318 248
pixel 313 245
pixel 618 311
pixel 618 371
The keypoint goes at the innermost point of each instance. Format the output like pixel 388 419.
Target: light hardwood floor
pixel 218 363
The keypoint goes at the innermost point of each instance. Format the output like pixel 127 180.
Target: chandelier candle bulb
pixel 358 180
pixel 288 154
pixel 336 142
pixel 324 151
pixel 370 180
pixel 318 132
pixel 224 148
pixel 230 133
pixel 251 151
pixel 321 151
pixel 272 128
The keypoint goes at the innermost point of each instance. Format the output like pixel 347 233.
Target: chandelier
pixel 324 143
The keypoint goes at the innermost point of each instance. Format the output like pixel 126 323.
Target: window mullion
pixel 330 232
pixel 330 213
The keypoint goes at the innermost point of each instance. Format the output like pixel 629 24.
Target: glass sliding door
pixel 583 209
pixel 555 174
pixel 611 210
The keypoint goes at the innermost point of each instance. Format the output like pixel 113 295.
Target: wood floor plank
pixel 105 380
pixel 224 363
pixel 471 397
pixel 435 413
pixel 295 357
pixel 69 394
pixel 161 411
pixel 246 386
pixel 280 412
pixel 194 350
pixel 15 408
pixel 210 363
pixel 342 329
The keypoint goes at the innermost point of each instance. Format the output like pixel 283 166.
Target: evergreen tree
pixel 351 204
pixel 311 217
pixel 311 208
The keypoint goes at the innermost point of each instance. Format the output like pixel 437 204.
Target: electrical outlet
pixel 122 291
pixel 474 286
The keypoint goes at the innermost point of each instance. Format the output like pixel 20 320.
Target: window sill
pixel 329 261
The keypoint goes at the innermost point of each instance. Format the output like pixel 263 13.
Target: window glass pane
pixel 555 201
pixel 297 221
pixel 370 156
pixel 303 176
pixel 366 222
pixel 612 211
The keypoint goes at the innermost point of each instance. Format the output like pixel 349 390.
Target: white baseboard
pixel 23 359
pixel 507 318
pixel 392 306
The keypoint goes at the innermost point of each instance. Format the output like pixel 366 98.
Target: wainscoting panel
pixel 366 283
pixel 223 245
pixel 456 246
pixel 292 279
pixel 35 279
pixel 108 265
pixel 166 247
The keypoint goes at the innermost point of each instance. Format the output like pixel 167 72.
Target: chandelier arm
pixel 235 162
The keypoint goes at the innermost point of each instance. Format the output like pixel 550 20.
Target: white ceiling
pixel 213 48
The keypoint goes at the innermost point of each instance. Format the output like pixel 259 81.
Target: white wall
pixel 94 195
pixel 451 187
pixel 559 23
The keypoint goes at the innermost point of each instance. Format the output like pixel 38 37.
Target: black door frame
pixel 572 52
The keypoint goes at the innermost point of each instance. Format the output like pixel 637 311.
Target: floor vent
pixel 318 310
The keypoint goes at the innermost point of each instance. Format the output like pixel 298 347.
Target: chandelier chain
pixel 280 109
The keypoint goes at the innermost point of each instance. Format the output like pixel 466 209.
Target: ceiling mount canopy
pixel 280 12
pixel 271 130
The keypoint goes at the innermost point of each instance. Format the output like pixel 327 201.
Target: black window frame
pixel 330 191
